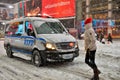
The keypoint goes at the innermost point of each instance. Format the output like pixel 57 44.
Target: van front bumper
pixel 56 55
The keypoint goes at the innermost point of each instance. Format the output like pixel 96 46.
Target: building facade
pixel 105 14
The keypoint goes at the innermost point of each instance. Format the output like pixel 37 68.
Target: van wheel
pixel 37 58
pixel 9 52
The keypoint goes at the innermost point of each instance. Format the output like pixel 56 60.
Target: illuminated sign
pixel 58 8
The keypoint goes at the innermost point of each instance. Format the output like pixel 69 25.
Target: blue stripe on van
pixel 44 41
pixel 21 37
pixel 21 51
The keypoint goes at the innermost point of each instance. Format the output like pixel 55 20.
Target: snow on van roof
pixel 45 19
pixel 33 18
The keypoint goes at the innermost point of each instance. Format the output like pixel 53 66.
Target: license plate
pixel 67 56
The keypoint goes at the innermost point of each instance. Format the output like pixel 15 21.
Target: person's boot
pixel 95 78
pixel 97 71
pixel 96 74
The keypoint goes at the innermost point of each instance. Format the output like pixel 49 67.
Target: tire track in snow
pixel 23 70
pixel 26 69
pixel 77 72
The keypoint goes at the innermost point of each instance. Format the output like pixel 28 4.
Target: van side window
pixel 11 29
pixel 20 29
pixel 15 28
pixel 29 29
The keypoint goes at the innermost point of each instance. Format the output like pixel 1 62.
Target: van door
pixel 19 38
pixel 30 38
pixel 10 36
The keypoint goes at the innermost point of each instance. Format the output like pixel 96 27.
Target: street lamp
pixel 10 6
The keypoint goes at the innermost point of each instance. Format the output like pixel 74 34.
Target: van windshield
pixel 43 27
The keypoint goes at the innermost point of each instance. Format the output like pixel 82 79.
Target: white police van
pixel 42 38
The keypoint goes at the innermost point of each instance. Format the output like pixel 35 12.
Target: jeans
pixel 90 59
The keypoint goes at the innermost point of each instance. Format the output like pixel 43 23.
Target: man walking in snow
pixel 109 38
pixel 90 47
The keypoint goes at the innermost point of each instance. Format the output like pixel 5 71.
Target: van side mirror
pixel 30 32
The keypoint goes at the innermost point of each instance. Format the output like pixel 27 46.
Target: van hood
pixel 56 38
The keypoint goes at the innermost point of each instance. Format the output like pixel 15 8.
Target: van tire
pixel 9 52
pixel 37 58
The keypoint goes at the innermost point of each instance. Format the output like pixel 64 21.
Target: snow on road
pixel 107 59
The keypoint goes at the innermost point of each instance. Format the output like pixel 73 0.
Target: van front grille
pixel 65 45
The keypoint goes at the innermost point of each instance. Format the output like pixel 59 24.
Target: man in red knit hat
pixel 90 47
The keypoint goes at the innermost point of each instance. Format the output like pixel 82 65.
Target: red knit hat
pixel 88 20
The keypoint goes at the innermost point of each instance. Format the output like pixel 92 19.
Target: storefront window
pixel 99 9
pixel 116 17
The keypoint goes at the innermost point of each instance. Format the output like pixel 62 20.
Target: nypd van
pixel 42 38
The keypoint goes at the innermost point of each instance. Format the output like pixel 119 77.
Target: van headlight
pixel 50 46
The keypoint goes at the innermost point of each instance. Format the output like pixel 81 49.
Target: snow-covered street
pixel 107 60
